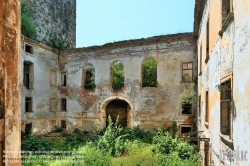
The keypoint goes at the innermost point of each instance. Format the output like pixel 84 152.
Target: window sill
pixel 229 18
pixel 226 140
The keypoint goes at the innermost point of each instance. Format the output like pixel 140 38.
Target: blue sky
pixel 103 21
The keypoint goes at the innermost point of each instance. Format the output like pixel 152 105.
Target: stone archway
pixel 117 108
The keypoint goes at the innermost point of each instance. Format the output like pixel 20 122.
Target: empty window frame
pixel 225 108
pixel 185 129
pixel 199 106
pixel 186 108
pixel 187 72
pixel 226 9
pixel 207 42
pixel 27 74
pixel 28 104
pixel 28 128
pixel 63 104
pixel 63 124
pixel 117 76
pixel 149 73
pixel 89 82
pixel 63 79
pixel 28 48
pixel 207 107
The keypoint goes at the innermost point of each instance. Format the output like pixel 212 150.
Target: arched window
pixel 117 76
pixel 89 77
pixel 149 73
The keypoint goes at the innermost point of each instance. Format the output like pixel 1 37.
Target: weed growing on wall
pixel 28 29
pixel 59 43
pixel 189 95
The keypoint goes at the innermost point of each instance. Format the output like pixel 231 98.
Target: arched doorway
pixel 118 108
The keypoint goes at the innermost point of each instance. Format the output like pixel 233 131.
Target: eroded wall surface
pixel 228 59
pixel 57 17
pixel 10 140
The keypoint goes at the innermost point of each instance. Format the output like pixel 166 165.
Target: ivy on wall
pixel 28 29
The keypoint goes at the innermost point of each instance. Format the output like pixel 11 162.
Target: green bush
pixel 28 29
pixel 149 73
pixel 112 141
pixel 32 143
pixel 59 43
pixel 117 76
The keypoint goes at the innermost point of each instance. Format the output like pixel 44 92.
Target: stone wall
pixel 54 17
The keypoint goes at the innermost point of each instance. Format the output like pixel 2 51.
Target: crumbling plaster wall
pixel 43 60
pixel 228 58
pixel 54 17
pixel 150 107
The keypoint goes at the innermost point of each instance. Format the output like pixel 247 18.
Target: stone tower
pixel 54 17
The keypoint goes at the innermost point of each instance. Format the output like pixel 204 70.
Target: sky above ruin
pixel 104 21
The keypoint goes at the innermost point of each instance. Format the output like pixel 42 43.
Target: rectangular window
pixel 187 72
pixel 63 105
pixel 207 42
pixel 28 128
pixel 53 104
pixel 63 79
pixel 28 48
pixel 199 102
pixel 225 108
pixel 206 151
pixel 27 74
pixel 52 77
pixel 226 9
pixel 185 129
pixel 207 108
pixel 186 108
pixel 28 104
pixel 63 124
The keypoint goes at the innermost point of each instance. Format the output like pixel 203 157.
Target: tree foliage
pixel 28 29
pixel 59 43
pixel 149 74
pixel 189 95
pixel 90 79
pixel 117 76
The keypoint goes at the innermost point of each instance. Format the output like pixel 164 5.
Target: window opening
pixel 63 104
pixel 185 129
pixel 27 74
pixel 117 76
pixel 149 73
pixel 186 108
pixel 90 77
pixel 207 104
pixel 28 49
pixel 63 79
pixel 28 104
pixel 187 72
pixel 28 128
pixel 63 124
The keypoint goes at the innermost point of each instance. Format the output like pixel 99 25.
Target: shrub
pixel 32 143
pixel 117 76
pixel 112 140
pixel 59 43
pixel 28 29
pixel 149 73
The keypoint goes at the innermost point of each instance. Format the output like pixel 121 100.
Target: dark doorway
pixel 185 129
pixel 117 108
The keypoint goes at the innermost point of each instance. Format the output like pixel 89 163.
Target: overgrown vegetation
pixel 149 73
pixel 189 95
pixel 90 78
pixel 59 43
pixel 28 29
pixel 117 76
pixel 118 147
pixel 223 88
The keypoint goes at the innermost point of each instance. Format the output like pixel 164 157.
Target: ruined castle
pixel 53 92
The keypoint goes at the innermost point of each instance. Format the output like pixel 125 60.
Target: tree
pixel 149 75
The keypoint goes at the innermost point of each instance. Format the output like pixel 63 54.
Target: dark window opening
pixel 207 107
pixel 28 128
pixel 186 108
pixel 185 129
pixel 64 79
pixel 199 114
pixel 226 108
pixel 225 9
pixel 206 151
pixel 28 48
pixel 63 104
pixel 200 59
pixel 27 74
pixel 149 73
pixel 28 104
pixel 63 124
pixel 207 42
pixel 187 72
